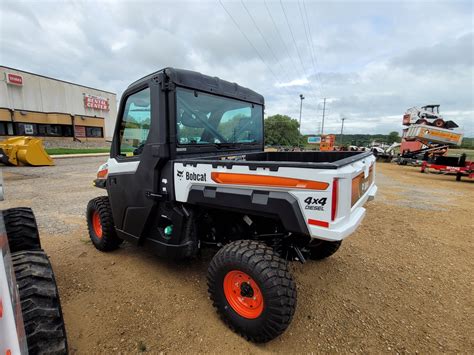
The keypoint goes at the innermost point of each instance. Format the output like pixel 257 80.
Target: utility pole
pixel 342 129
pixel 301 108
pixel 324 112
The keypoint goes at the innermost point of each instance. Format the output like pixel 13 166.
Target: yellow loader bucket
pixel 24 151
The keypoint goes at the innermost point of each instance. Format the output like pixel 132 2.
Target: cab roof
pixel 195 80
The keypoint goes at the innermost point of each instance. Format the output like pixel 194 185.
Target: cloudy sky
pixel 371 60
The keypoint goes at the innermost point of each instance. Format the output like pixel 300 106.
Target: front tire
pixel 40 305
pixel 323 249
pixel 101 224
pixel 252 290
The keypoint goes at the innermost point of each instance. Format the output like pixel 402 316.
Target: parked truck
pixel 188 170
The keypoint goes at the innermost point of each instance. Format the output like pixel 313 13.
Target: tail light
pixel 102 174
pixel 335 191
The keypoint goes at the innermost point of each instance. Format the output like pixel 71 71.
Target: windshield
pixel 209 119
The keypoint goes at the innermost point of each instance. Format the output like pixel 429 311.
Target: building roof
pixel 63 81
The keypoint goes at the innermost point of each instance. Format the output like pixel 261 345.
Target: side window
pixel 135 123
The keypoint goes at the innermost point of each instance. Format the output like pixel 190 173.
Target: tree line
pixel 282 130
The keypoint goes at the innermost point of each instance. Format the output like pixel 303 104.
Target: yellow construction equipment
pixel 24 151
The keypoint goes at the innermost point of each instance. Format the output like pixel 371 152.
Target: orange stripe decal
pixel 265 180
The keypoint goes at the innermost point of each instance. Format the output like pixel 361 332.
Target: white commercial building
pixel 36 105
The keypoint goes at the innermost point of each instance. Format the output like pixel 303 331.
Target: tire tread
pixel 40 304
pixel 21 228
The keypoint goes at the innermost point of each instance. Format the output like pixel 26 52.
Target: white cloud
pixel 295 82
pixel 372 60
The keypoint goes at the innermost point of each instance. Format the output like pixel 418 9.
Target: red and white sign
pixel 14 79
pixel 96 102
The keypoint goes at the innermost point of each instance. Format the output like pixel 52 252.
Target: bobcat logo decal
pixel 179 174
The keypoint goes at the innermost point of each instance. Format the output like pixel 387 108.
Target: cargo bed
pixel 317 194
pixel 274 160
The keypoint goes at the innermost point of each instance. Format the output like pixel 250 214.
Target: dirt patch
pixel 402 283
pixel 10 176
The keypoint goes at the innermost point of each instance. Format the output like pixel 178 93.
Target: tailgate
pixel 360 185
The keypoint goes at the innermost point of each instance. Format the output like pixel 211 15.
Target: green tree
pixel 393 137
pixel 282 130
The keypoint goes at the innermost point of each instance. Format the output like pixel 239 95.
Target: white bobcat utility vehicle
pixel 188 170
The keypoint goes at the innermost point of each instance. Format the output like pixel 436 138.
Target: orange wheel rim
pixel 243 294
pixel 96 225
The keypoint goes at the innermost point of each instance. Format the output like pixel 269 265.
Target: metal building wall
pixel 44 94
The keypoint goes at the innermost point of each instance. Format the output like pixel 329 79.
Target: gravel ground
pixel 402 283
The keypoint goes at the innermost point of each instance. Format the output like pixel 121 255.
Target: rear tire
pixel 323 249
pixel 21 228
pixel 101 224
pixel 40 304
pixel 260 307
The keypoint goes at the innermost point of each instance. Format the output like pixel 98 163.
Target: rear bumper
pixel 348 226
pixel 371 193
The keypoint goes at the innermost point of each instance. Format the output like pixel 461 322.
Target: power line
pixel 297 51
pixel 251 44
pixel 255 48
pixel 314 57
pixel 264 39
pixel 294 40
pixel 296 46
pixel 304 27
pixel 309 43
pixel 279 35
pixel 313 51
pixel 324 112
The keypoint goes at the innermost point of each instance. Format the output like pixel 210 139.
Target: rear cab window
pixel 205 119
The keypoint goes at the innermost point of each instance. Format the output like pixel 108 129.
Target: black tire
pixel 40 304
pixel 108 240
pixel 439 123
pixel 21 228
pixel 4 158
pixel 323 249
pixel 275 283
pixel 458 177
